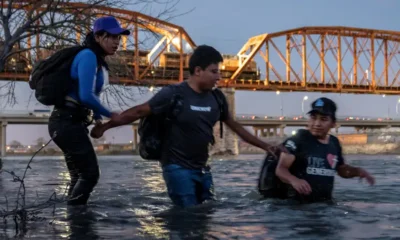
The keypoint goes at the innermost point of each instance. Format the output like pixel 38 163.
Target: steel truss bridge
pixel 324 58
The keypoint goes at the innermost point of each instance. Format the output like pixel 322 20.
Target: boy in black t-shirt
pixel 314 157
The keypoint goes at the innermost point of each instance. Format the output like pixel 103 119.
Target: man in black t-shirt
pixel 314 157
pixel 185 155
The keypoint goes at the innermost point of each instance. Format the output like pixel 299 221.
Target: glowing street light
pixel 302 104
pixel 278 93
pixel 397 106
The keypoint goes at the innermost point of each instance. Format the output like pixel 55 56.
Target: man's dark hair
pixel 203 56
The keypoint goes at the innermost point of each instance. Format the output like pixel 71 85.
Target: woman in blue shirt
pixel 68 124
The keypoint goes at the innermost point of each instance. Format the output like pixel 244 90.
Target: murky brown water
pixel 130 202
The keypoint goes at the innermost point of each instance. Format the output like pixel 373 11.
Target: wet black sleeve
pixel 293 144
pixel 161 101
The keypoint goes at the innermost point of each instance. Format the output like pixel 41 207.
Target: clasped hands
pixel 99 127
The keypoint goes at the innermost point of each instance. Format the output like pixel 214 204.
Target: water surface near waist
pixel 131 202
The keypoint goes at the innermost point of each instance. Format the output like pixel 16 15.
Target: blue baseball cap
pixel 109 24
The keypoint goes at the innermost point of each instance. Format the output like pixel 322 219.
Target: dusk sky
pixel 227 25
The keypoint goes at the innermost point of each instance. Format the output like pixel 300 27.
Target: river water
pixel 130 202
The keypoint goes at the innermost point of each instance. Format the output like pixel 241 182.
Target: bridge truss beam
pixel 132 64
pixel 324 59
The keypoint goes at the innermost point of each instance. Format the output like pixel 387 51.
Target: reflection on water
pixel 131 202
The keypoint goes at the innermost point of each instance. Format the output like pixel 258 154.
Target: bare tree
pixel 40 142
pixel 32 30
pixel 15 143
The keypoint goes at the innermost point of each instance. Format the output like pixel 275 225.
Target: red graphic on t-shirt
pixel 332 160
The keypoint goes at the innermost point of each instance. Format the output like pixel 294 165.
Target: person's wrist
pixel 293 180
pixel 266 146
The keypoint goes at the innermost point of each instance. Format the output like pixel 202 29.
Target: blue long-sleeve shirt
pixel 90 82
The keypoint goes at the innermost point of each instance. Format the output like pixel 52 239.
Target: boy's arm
pixel 347 171
pixel 128 116
pixel 286 160
pixel 240 130
pixel 246 136
pixel 156 105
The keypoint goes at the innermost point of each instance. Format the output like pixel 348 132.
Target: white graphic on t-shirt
pixel 317 166
pixel 290 145
pixel 200 109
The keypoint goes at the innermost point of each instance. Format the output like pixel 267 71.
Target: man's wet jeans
pixel 187 187
pixel 72 138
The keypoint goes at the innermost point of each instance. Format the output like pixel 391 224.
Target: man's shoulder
pixel 171 88
pixel 175 87
pixel 218 92
pixel 293 143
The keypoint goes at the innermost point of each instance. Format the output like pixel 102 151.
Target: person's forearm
pixel 284 175
pixel 248 137
pixel 126 117
pixel 347 171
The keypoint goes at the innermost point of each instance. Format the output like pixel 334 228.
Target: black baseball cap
pixel 324 106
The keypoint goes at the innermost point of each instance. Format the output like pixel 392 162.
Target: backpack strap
pixel 175 107
pixel 215 93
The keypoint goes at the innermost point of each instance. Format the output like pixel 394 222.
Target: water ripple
pixel 131 202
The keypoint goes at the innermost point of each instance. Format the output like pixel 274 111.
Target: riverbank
pixel 368 149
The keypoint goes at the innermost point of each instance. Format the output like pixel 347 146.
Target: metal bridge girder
pixel 135 21
pixel 325 59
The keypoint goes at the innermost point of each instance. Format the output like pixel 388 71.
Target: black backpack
pixel 154 129
pixel 51 77
pixel 269 185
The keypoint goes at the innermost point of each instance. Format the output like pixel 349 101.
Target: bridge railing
pixel 300 117
pixel 247 117
pixel 361 80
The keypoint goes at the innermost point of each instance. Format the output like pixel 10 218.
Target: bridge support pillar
pixel 336 131
pixel 263 132
pixel 275 132
pixel 267 132
pixel 364 129
pixel 281 131
pixel 256 131
pixel 135 139
pixel 3 139
pixel 229 143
